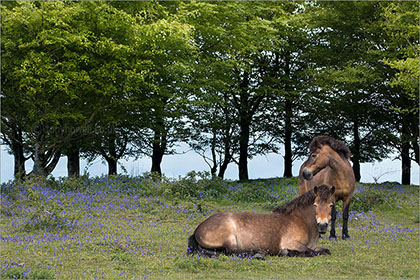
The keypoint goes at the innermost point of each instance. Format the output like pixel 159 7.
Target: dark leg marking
pixel 307 253
pixel 322 251
pixel 333 218
pixel 345 222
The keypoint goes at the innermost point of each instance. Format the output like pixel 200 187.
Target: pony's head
pixel 323 149
pixel 318 160
pixel 323 204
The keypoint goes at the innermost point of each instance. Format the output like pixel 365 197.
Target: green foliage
pixel 417 218
pixel 79 183
pixel 14 273
pixel 131 79
pixel 77 59
pixel 350 98
pixel 41 212
pixel 369 197
pixel 367 200
pixel 401 23
pixel 41 274
pixel 45 214
pixel 21 273
pixel 200 185
pixel 188 187
pixel 121 257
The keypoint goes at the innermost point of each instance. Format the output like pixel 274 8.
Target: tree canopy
pixel 115 79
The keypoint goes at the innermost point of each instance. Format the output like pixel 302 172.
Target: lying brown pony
pixel 291 230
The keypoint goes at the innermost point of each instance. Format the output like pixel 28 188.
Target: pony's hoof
pixel 323 251
pixel 258 256
pixel 295 253
pixel 332 237
pixel 284 253
pixel 346 237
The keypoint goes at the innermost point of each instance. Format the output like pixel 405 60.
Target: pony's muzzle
pixel 307 174
pixel 322 227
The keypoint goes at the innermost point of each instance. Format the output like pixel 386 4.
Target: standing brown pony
pixel 291 230
pixel 329 164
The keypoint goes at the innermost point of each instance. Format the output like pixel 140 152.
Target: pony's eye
pixel 331 206
pixel 315 205
pixel 313 155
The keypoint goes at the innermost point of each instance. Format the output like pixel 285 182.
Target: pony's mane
pixel 336 145
pixel 308 198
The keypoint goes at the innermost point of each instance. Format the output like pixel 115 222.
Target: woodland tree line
pixel 231 79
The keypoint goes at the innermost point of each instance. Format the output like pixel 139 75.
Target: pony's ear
pixel 332 190
pixel 315 190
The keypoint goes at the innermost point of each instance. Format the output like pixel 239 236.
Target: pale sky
pixel 174 166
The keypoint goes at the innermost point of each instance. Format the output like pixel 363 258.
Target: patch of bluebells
pixel 388 191
pixel 368 196
pixel 93 204
pixel 250 192
pixel 367 222
pixel 135 234
pixel 15 267
pixel 363 220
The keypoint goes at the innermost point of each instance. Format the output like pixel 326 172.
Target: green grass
pixel 123 227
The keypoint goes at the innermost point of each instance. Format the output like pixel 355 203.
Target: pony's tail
pixel 195 248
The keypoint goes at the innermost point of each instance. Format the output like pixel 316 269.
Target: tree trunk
pixel 356 169
pixel 288 119
pixel 73 164
pixel 53 163
pixel 44 162
pixel 245 116
pixel 213 168
pixel 18 154
pixel 416 152
pixel 38 169
pixel 224 165
pixel 227 157
pixel 243 149
pixel 159 148
pixel 405 156
pixel 288 141
pixel 405 165
pixel 223 168
pixel 19 159
pixel 111 157
pixel 157 157
pixel 356 152
pixel 112 165
pixel 415 139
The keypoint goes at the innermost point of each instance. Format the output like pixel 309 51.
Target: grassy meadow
pixel 137 228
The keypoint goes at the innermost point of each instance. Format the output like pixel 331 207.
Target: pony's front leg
pixel 333 218
pixel 322 251
pixel 346 206
pixel 307 252
pixel 231 246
